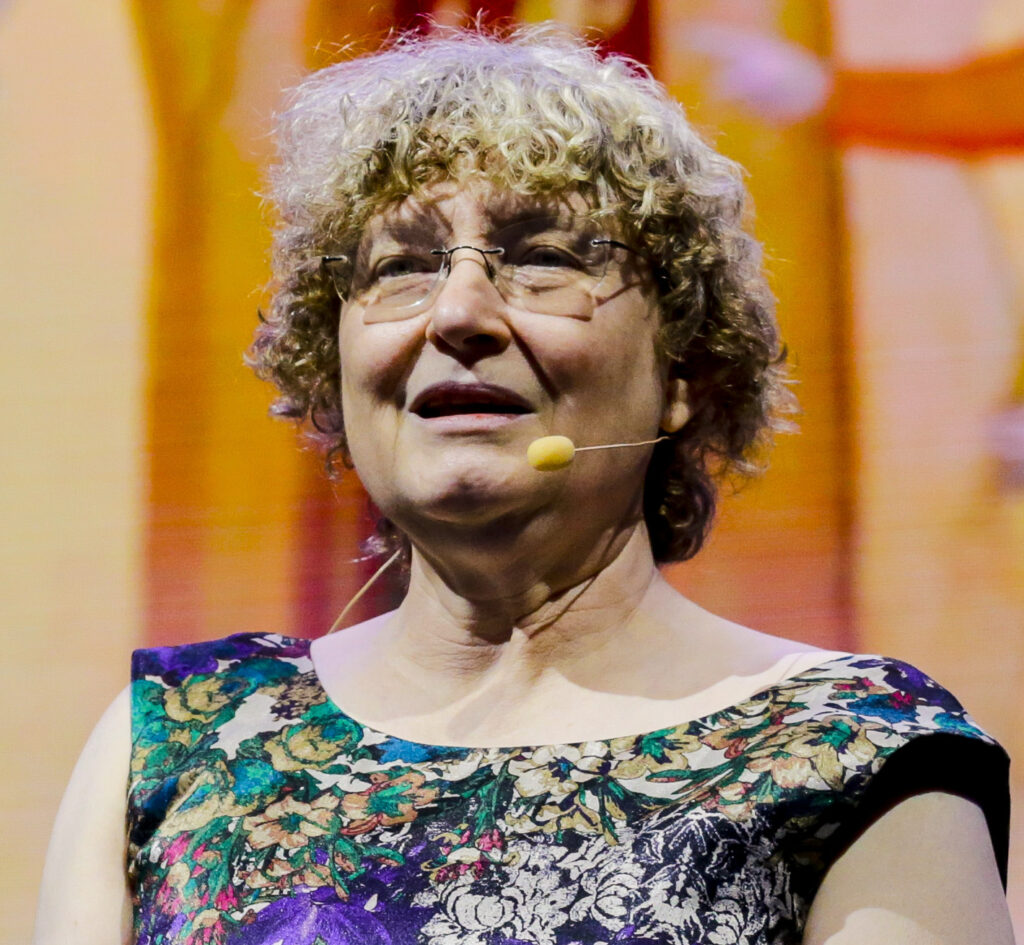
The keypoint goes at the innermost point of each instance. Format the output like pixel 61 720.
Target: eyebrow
pixel 413 223
pixel 408 229
pixel 514 212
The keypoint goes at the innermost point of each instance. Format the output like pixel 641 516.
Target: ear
pixel 677 405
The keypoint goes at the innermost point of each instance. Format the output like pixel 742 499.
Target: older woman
pixel 485 242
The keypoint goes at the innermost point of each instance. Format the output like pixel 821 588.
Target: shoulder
pixel 83 895
pixel 900 710
pixel 922 798
pixel 188 682
pixel 197 687
pixel 890 693
pixel 182 695
pixel 910 735
pixel 172 664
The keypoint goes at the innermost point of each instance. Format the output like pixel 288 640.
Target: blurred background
pixel 146 498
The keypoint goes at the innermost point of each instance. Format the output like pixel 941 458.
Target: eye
pixel 395 267
pixel 548 256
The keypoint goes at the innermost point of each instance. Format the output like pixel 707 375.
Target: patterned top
pixel 260 813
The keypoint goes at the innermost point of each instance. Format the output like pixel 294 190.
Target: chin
pixel 472 497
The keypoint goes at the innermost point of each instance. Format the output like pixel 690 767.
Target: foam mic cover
pixel 550 452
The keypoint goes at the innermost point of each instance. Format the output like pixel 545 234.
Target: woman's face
pixel 442 398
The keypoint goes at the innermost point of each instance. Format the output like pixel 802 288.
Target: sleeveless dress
pixel 259 813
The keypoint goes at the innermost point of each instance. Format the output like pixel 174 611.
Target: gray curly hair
pixel 539 112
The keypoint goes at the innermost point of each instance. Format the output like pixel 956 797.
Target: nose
pixel 468 315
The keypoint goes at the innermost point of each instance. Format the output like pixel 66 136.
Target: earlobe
pixel 677 405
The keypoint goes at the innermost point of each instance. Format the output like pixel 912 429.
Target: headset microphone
pixel 556 452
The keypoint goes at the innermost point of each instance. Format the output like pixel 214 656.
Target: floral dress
pixel 259 813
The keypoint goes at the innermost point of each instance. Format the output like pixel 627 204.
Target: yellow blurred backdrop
pixel 147 499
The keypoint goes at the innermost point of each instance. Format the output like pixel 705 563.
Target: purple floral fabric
pixel 259 813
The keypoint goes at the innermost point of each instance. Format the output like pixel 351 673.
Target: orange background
pixel 146 497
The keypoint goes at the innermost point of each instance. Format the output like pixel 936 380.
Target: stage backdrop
pixel 147 499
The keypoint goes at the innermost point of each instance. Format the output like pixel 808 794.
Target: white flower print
pixel 529 904
pixel 609 893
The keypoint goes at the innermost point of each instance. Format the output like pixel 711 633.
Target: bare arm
pixel 923 874
pixel 84 897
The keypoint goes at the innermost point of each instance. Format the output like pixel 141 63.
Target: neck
pixel 492 574
pixel 524 613
pixel 507 668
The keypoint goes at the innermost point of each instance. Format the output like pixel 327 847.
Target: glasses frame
pixel 659 272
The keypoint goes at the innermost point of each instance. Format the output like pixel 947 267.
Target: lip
pixel 450 400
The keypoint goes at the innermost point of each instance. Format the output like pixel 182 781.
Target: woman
pixel 484 242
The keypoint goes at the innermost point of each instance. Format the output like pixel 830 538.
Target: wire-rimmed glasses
pixel 541 266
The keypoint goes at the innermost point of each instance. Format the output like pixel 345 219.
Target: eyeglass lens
pixel 537 265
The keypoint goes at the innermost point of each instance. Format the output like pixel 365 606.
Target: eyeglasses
pixel 539 266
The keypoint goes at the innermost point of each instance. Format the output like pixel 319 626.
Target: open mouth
pixel 449 399
pixel 449 410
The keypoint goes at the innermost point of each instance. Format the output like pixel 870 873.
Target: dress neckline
pixel 829 659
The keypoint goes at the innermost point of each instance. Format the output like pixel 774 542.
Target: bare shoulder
pixel 732 650
pixel 922 874
pixel 352 639
pixel 83 897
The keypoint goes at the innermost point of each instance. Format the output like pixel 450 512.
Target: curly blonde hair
pixel 542 113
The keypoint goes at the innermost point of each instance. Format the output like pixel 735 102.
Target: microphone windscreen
pixel 550 452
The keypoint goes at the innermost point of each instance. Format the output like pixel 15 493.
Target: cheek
pixel 614 361
pixel 374 358
pixel 374 362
